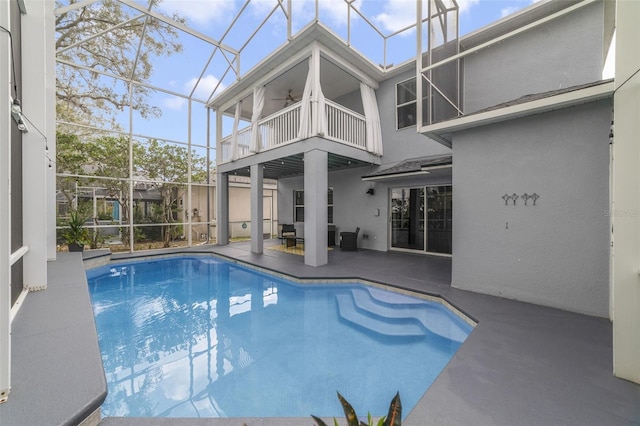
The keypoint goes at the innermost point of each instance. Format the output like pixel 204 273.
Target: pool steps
pixel 392 314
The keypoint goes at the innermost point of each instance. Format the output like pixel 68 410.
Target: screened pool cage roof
pixel 182 54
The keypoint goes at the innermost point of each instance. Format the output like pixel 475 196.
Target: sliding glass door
pixel 421 219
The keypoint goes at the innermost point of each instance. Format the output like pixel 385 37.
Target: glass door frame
pixel 424 188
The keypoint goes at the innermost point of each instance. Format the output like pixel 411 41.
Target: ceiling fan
pixel 289 99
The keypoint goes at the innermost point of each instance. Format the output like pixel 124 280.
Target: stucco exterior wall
pixel 556 252
pixel 352 206
pixel 561 53
pixel 405 143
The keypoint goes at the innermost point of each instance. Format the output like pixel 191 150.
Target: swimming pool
pixel 201 337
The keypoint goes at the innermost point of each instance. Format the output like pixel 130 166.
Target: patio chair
pixel 349 240
pixel 288 235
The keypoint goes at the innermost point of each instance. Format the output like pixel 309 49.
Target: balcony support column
pixel 222 208
pixel 257 213
pixel 316 184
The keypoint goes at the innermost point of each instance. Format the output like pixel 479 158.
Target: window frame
pixel 406 104
pixel 301 206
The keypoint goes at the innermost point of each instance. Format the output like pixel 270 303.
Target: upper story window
pixel 406 105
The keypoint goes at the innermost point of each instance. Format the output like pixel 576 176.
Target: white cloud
pixel 399 14
pixel 508 11
pixel 174 102
pixel 466 5
pixel 200 12
pixel 336 10
pixel 206 86
pixel 333 12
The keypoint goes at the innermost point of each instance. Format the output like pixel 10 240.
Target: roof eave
pixel 564 100
pixel 292 51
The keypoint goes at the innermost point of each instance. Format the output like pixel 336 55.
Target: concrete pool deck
pixel 522 365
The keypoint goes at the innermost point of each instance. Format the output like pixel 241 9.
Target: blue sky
pixel 179 73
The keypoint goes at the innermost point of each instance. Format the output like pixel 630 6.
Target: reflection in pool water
pixel 201 337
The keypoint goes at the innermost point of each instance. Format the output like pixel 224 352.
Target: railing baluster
pixel 343 126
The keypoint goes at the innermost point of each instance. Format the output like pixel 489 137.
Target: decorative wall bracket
pixel 514 197
pixel 526 197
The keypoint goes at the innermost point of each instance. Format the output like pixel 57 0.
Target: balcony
pixel 283 127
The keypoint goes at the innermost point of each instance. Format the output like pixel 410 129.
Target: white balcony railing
pixel 343 125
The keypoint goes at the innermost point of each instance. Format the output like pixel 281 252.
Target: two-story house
pixel 499 158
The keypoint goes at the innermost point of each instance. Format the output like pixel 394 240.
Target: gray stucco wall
pixel 557 252
pixel 405 143
pixel 352 206
pixel 562 53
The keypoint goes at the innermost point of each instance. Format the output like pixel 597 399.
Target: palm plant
pixel 75 234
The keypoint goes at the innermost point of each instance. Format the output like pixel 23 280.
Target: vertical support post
pixel 625 202
pixel 419 64
pixel 316 186
pixel 289 19
pixel 189 182
pixel 315 90
pixel 131 182
pixel 37 103
pixel 5 205
pixel 257 203
pixel 222 208
pixel 209 216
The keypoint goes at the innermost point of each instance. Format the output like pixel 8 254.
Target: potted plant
pixel 74 233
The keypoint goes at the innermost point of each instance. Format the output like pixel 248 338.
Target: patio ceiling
pixel 293 165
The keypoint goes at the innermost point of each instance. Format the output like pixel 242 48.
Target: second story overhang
pixel 315 86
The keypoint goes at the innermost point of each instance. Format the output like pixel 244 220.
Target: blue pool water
pixel 201 337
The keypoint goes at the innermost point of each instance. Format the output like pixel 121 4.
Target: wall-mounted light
pixel 16 113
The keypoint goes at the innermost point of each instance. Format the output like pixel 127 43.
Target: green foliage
pixel 163 167
pixel 96 239
pixel 393 418
pixel 74 231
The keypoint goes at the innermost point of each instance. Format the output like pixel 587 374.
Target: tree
pixel 167 164
pixel 87 97
pixel 102 156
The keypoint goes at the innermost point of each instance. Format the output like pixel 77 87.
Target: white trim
pixel 18 303
pixel 5 204
pixel 564 100
pixel 18 254
pixel 74 6
pixel 395 175
pixel 420 251
pixel 443 166
pixel 406 103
